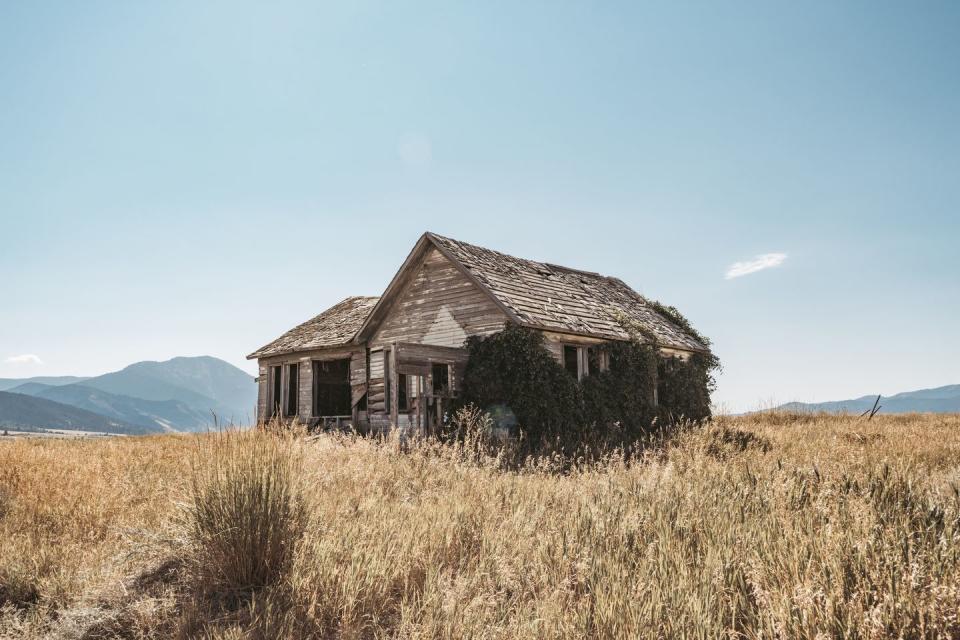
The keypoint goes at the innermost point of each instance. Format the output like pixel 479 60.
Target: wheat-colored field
pixel 768 526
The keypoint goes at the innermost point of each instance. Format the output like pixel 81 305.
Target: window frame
pixel 566 364
pixel 275 396
pixel 583 359
pixel 318 367
pixel 292 400
pixel 602 358
pixel 442 390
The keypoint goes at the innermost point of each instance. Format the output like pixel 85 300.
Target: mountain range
pixel 9 383
pixel 22 412
pixel 939 400
pixel 182 394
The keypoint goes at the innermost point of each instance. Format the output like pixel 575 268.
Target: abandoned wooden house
pixel 398 359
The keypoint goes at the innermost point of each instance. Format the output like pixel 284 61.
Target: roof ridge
pixel 551 265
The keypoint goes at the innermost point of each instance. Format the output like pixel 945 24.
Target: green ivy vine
pixel 642 390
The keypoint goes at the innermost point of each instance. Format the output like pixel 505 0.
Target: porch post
pixel 419 382
pixel 394 397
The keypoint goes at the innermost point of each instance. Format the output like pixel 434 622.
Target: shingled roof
pixel 334 327
pixel 547 296
pixel 533 294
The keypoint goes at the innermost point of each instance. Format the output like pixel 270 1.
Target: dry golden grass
pixel 760 527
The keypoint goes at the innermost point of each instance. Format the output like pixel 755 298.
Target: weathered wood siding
pixel 358 367
pixel 438 306
pixel 375 385
pixel 358 372
pixel 263 392
pixel 305 394
pixel 358 379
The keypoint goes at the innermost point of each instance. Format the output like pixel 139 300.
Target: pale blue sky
pixel 185 178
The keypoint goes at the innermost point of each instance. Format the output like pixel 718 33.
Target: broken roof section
pixel 550 297
pixel 335 327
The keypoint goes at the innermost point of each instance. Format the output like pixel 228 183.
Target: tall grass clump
pixel 247 512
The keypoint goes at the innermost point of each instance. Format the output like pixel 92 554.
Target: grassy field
pixel 769 526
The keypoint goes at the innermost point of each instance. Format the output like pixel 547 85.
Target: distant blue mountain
pixel 31 388
pixel 151 415
pixel 6 384
pixel 939 400
pixel 208 385
pixel 182 394
pixel 20 411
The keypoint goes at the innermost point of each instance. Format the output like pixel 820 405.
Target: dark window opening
pixel 331 388
pixel 660 392
pixel 402 404
pixel 293 389
pixel 598 360
pixel 441 378
pixel 571 360
pixel 362 403
pixel 276 375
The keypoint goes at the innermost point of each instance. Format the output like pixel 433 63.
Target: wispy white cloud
pixel 758 263
pixel 26 358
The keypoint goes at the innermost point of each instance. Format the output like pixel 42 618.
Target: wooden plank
pixel 411 369
pixel 394 387
pixel 357 392
pixel 376 364
pixel 358 367
pixel 305 392
pixel 409 350
pixel 336 353
pixel 418 381
pixel 263 393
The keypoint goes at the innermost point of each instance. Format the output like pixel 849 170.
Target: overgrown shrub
pixel 620 403
pixel 638 393
pixel 513 367
pixel 247 513
pixel 684 388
